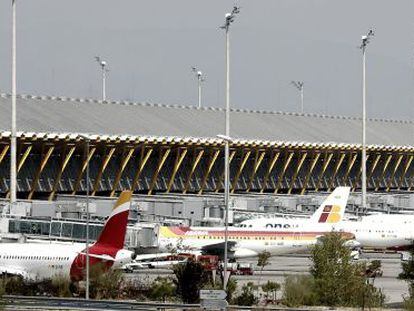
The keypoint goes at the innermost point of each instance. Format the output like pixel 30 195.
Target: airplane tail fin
pixel 114 230
pixel 332 210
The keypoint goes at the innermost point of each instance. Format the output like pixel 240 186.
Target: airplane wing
pixel 102 257
pixel 15 271
pixel 218 249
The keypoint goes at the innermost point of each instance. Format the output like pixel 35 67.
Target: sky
pixel 150 47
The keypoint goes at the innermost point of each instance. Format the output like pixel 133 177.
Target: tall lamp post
pixel 13 139
pixel 86 139
pixel 102 63
pixel 365 40
pixel 200 79
pixel 299 86
pixel 229 18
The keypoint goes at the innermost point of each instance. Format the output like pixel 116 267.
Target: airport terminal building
pixel 154 149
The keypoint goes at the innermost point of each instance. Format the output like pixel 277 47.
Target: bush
pixel 246 297
pixel 299 291
pixel 104 284
pixel 162 289
pixel 271 288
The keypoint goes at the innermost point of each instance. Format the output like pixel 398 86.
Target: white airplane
pixel 37 261
pixel 334 206
pixel 249 242
pixel 378 231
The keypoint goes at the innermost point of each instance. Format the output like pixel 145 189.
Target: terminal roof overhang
pixel 62 118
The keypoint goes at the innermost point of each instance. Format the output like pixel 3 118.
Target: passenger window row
pixel 55 258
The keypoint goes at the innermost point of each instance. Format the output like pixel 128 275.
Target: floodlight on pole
pixel 102 63
pixel 229 19
pixel 364 42
pixel 299 85
pixel 13 132
pixel 200 79
pixel 86 139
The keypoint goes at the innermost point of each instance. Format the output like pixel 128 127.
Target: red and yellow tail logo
pixel 330 214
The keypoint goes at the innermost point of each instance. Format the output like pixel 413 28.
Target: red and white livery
pixel 36 261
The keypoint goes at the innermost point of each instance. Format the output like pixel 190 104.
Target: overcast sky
pixel 151 45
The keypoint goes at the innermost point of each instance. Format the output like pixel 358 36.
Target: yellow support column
pixel 311 168
pixel 221 177
pixel 283 172
pixel 371 171
pixel 258 161
pixel 161 162
pixel 328 158
pixel 351 162
pixel 4 152
pixel 269 170
pixel 208 171
pixel 21 163
pixel 82 169
pixel 102 169
pixel 142 162
pixel 358 177
pixel 181 153
pixel 62 168
pixel 384 169
pixel 124 163
pixel 406 167
pixel 242 165
pixel 336 170
pixel 39 171
pixel 295 174
pixel 193 168
pixel 397 165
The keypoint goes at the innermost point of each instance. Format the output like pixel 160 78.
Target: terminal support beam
pixel 102 169
pixel 208 170
pixel 241 167
pixel 257 162
pixel 283 172
pixel 42 166
pixel 406 167
pixel 269 170
pixel 351 161
pixel 82 169
pixel 4 152
pixel 193 168
pixel 62 168
pixel 384 169
pixel 312 167
pixel 142 162
pixel 394 171
pixel 21 163
pixel 181 153
pixel 121 168
pixel 336 170
pixel 358 177
pixel 328 158
pixel 374 165
pixel 297 170
pixel 221 178
pixel 161 163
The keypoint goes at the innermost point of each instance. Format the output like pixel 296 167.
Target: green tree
pixel 338 281
pixel 190 277
pixel 262 262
